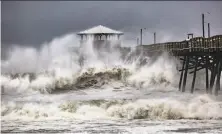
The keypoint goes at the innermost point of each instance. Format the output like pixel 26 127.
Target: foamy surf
pixel 201 108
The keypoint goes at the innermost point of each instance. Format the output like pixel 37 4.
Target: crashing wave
pixel 49 82
pixel 200 108
pixel 91 78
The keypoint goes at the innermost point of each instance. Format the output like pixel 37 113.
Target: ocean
pixel 52 93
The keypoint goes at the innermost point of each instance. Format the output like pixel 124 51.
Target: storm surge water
pixel 51 84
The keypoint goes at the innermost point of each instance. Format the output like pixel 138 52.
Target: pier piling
pixel 181 75
pixel 194 74
pixel 185 73
pixel 217 88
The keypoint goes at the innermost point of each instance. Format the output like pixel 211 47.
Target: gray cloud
pixel 34 22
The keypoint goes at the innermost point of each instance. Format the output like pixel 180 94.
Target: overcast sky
pixel 34 22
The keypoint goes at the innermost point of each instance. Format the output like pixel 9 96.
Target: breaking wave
pixel 202 107
pixel 56 80
pixel 48 83
pixel 53 69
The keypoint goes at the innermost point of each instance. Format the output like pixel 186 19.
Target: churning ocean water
pixel 47 91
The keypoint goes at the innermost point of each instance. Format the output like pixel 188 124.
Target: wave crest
pixel 201 107
pixel 50 83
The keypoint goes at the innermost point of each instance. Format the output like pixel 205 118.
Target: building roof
pixel 100 30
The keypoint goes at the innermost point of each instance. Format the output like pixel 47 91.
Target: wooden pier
pixel 195 54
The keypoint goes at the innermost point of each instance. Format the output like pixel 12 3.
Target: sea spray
pixel 160 73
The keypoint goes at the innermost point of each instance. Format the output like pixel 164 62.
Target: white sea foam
pixel 201 107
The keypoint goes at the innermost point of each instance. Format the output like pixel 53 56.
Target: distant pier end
pixel 101 37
